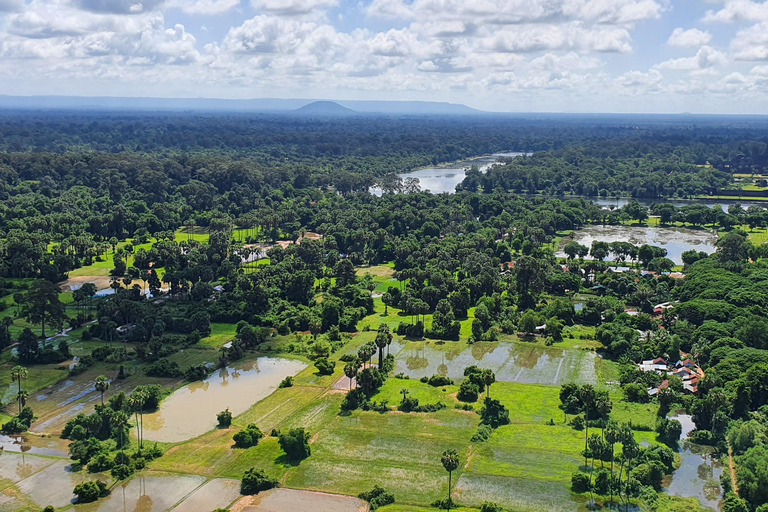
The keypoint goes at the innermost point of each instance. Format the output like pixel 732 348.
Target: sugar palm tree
pixel 450 460
pixel 17 373
pixel 102 385
pixel 488 378
pixel 350 370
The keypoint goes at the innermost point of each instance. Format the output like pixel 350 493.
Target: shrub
pixel 121 471
pixel 255 480
pixel 295 444
pixel 101 462
pixel 669 431
pixel 468 392
pixel 20 423
pixel 439 380
pixel 324 366
pixel 493 413
pixel 196 372
pixel 164 368
pixel 579 482
pixel 377 497
pixel 490 507
pixel 286 382
pixel 248 437
pixel 577 423
pixel 483 433
pixel 224 418
pixel 90 491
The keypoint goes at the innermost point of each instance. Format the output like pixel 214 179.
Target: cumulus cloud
pixel 692 37
pixel 573 36
pixel 516 11
pixel 751 43
pixel 707 57
pixel 205 7
pixel 739 10
pixel 292 7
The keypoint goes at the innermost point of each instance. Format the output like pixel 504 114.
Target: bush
pixel 353 400
pixel 196 372
pixel 490 507
pixel 90 491
pixel 468 392
pixel 286 382
pixel 577 423
pixel 579 483
pixel 164 368
pixel 224 418
pixel 703 437
pixel 439 380
pixel 121 471
pixel 377 497
pixel 324 366
pixel 483 433
pixel 20 423
pixel 669 431
pixel 101 462
pixel 248 437
pixel 255 480
pixel 295 444
pixel 493 413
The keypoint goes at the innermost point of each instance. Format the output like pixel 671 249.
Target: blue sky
pixel 500 55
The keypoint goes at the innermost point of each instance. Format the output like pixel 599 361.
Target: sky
pixel 649 56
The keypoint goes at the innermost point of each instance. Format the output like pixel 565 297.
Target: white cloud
pixel 693 37
pixel 707 57
pixel 118 6
pixel 516 11
pixel 205 7
pixel 292 7
pixel 751 43
pixel 573 36
pixel 637 79
pixel 739 10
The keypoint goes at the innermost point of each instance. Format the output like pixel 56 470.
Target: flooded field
pixel 675 240
pixel 290 500
pixel 512 362
pixel 191 410
pixel 34 445
pixel 53 485
pixel 215 494
pixel 699 474
pixel 146 493
pixel 515 493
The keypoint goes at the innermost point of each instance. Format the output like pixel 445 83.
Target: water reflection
pixel 699 474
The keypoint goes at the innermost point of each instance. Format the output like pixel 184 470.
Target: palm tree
pixel 381 341
pixel 17 373
pixel 137 400
pixel 488 378
pixel 587 395
pixel 350 370
pixel 102 385
pixel 612 436
pixel 450 460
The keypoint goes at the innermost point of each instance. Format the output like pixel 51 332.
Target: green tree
pixel 42 305
pixel 102 385
pixel 488 378
pixel 450 460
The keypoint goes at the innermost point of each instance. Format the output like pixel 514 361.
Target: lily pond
pixel 191 410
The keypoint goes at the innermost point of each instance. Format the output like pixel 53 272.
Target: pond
pixel 147 492
pixel 699 474
pixel 34 445
pixel 442 180
pixel 512 362
pixel 191 410
pixel 674 239
pixel 289 500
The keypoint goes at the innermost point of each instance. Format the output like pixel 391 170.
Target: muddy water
pixel 675 240
pixel 699 474
pixel 512 362
pixel 34 445
pixel 191 410
pixel 215 494
pixel 53 485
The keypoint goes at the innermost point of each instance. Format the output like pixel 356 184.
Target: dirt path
pixel 732 466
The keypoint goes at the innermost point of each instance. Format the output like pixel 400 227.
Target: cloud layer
pixel 546 54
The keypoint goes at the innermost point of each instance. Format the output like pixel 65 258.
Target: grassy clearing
pixel 636 414
pixel 220 334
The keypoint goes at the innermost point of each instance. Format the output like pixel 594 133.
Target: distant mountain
pixel 325 108
pixel 261 105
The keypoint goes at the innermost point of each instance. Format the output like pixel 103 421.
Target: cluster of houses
pixel 685 368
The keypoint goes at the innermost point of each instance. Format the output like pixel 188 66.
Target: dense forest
pixel 81 190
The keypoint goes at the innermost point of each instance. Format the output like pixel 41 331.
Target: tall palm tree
pixel 102 385
pixel 450 460
pixel 350 370
pixel 488 378
pixel 17 373
pixel 137 400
